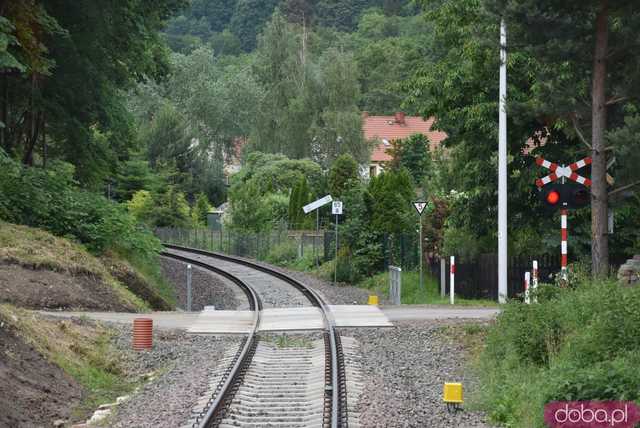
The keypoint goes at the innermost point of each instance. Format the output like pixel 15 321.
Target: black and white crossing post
pixel 336 209
pixel 420 206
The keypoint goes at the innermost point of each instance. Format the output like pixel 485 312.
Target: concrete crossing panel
pixel 288 319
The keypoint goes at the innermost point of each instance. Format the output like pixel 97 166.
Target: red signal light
pixel 553 197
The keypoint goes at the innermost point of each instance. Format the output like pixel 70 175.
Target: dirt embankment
pixel 45 289
pixel 33 391
pixel 41 271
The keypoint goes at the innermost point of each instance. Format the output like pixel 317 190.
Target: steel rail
pixel 338 388
pixel 246 354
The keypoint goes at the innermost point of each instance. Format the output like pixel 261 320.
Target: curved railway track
pixel 265 386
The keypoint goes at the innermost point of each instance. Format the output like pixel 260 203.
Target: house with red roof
pixel 384 129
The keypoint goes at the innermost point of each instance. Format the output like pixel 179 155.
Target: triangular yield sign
pixel 420 206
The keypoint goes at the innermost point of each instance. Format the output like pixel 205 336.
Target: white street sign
pixel 420 206
pixel 317 204
pixel 336 208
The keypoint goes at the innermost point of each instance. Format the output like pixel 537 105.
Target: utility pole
pixel 502 169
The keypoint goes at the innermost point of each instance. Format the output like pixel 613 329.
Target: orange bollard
pixel 142 334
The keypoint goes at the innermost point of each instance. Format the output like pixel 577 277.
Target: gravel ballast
pixel 207 288
pixel 341 294
pixel 405 369
pixel 177 375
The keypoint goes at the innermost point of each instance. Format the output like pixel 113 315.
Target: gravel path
pixel 207 288
pixel 406 368
pixel 177 369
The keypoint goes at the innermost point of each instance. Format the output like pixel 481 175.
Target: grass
pixel 471 335
pixel 413 294
pixel 579 342
pixel 82 350
pixel 36 249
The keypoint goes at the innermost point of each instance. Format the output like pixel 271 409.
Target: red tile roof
pixel 387 128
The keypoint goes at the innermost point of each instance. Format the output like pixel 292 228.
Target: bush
pixel 345 271
pixel 283 253
pixel 578 343
pixel 49 199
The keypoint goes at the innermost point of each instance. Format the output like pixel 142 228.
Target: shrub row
pixel 50 199
pixel 577 343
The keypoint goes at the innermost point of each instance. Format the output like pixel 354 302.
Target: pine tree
pixel 343 171
pixel 200 210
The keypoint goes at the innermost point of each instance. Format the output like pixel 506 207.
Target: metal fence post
pixel 395 286
pixel 188 288
pixel 443 277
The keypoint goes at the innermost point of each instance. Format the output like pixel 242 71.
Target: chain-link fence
pixel 280 243
pixel 304 248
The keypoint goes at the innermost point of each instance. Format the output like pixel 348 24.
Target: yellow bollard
pixel 452 395
pixel 373 300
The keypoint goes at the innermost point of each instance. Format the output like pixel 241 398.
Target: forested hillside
pixel 145 103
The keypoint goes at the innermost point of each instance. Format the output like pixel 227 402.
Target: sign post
pixel 420 206
pixel 316 205
pixel 336 209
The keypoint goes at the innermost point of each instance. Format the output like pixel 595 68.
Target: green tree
pixel 247 210
pixel 342 175
pixel 200 210
pixel 278 174
pixel 390 49
pixel 249 18
pixel 584 84
pixel 170 209
pixel 300 196
pixel 283 67
pixel 392 193
pixel 98 50
pixel 134 175
pixel 341 14
pixel 459 89
pixel 292 212
pixel 411 153
pixel 338 125
pixel 141 206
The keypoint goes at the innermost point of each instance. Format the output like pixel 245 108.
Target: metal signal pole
pixel 502 169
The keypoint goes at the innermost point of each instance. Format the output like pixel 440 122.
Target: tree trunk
pixel 5 112
pixel 32 139
pixel 599 204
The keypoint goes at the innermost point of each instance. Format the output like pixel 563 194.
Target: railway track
pixel 266 385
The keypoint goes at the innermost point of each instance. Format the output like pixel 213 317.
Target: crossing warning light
pixel 564 195
pixel 553 197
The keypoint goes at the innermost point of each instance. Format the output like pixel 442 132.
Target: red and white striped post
pixel 534 279
pixel 527 280
pixel 452 280
pixel 563 258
